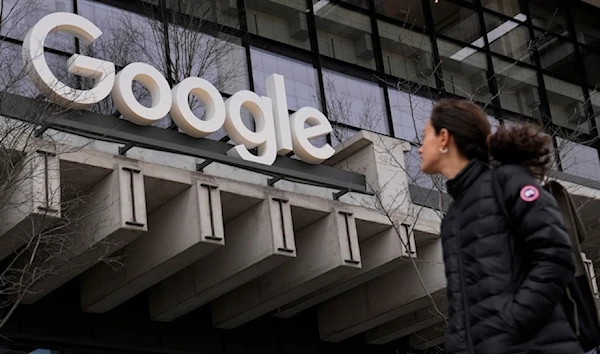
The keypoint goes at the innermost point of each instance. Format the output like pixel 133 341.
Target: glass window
pixel 283 21
pixel 345 35
pixel 591 61
pixel 409 114
pixel 360 3
pixel 354 102
pixel 567 104
pixel 200 12
pixel 432 183
pixel 595 102
pixel 19 16
pixel 408 11
pixel 341 134
pixel 406 53
pixel 464 71
pixel 557 56
pixel 138 36
pixel 300 78
pixel 507 7
pixel 457 22
pixel 586 26
pixel 13 78
pixel 548 15
pixel 509 38
pixel 578 159
pixel 518 88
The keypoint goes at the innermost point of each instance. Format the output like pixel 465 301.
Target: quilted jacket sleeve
pixel 544 235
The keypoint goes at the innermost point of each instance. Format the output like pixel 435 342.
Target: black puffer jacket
pixel 504 290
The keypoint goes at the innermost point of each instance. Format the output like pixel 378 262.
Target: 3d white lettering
pixel 263 138
pixel 128 104
pixel 214 107
pixel 276 91
pixel 276 131
pixel 103 72
pixel 318 126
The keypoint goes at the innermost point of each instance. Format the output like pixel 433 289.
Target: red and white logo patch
pixel 529 193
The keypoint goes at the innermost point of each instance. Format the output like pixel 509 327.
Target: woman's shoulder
pixel 514 175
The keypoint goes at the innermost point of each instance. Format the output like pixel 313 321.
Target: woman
pixel 504 288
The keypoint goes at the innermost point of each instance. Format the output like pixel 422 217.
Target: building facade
pixel 132 231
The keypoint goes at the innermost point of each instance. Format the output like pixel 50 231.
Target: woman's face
pixel 430 150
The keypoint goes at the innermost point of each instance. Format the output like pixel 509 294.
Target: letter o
pixel 127 103
pixel 182 114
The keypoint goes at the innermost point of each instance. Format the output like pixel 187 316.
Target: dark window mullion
pixel 544 103
pixel 317 62
pixel 380 66
pixel 582 71
pixel 491 76
pixel 429 24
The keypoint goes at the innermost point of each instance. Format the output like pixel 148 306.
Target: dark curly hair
pixel 468 125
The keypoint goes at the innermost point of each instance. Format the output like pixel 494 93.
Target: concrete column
pixel 111 215
pixel 258 240
pixel 380 254
pixel 327 250
pixel 381 160
pixel 384 298
pixel 181 231
pixel 427 338
pixel 411 323
pixel 30 201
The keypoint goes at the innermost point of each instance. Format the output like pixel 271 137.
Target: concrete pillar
pixel 327 250
pixel 411 323
pixel 258 240
pixel 384 298
pixel 427 338
pixel 380 254
pixel 30 200
pixel 181 231
pixel 381 160
pixel 112 214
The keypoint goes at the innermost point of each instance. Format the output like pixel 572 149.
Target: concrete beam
pixel 111 215
pixel 327 249
pixel 30 201
pixel 384 298
pixel 258 240
pixel 380 254
pixel 427 338
pixel 411 323
pixel 181 231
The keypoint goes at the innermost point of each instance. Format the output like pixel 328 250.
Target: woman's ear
pixel 444 136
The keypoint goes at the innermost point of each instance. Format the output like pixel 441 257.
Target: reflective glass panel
pixel 355 102
pixel 578 159
pixel 408 11
pixel 18 16
pixel 548 15
pixel 557 56
pixel 518 88
pixel 283 21
pixel 506 7
pixel 300 78
pixel 464 71
pixel 509 38
pixel 457 22
pixel 345 35
pixel 568 105
pixel 406 54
